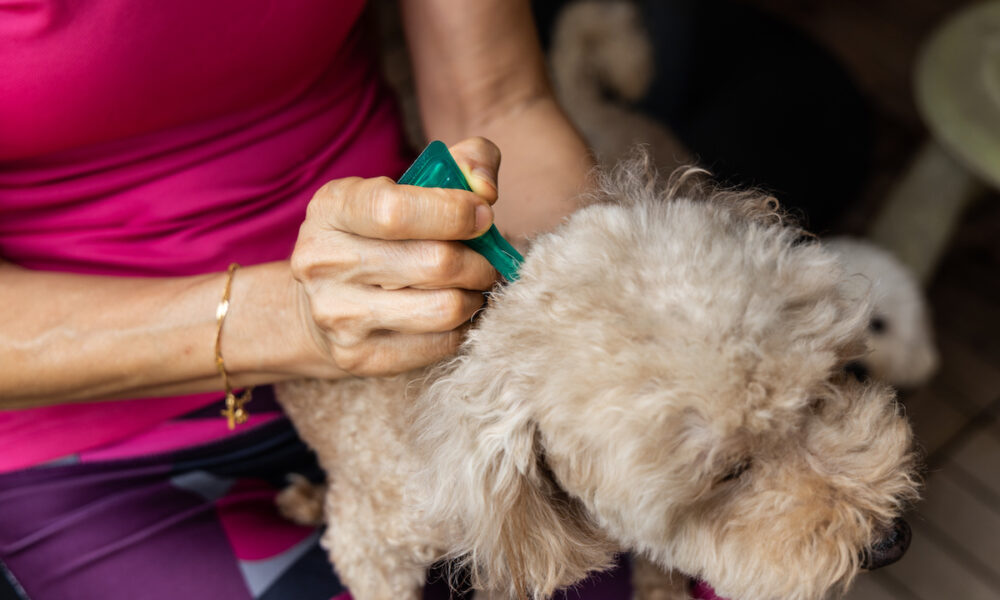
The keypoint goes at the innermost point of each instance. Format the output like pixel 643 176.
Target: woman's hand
pixel 377 284
pixel 388 286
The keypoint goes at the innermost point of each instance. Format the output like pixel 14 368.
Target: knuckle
pixel 328 255
pixel 329 198
pixel 450 307
pixel 387 211
pixel 327 320
pixel 350 338
pixel 443 262
pixel 461 212
pixel 327 190
pixel 350 359
pixel 314 209
pixel 344 322
pixel 300 265
pixel 302 262
pixel 445 345
pixel 320 199
pixel 336 188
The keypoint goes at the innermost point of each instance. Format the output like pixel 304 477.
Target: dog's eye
pixel 877 325
pixel 858 370
pixel 737 471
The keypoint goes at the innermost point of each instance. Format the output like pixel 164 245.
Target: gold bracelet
pixel 235 411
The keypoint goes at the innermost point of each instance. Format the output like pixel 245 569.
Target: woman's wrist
pixel 541 182
pixel 267 335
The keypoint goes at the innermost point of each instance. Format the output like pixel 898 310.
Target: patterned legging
pixel 194 524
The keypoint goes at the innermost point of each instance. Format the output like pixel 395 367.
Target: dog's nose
pixel 889 549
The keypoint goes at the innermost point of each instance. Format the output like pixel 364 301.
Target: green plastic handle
pixel 436 168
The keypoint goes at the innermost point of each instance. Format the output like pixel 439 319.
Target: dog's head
pixel 667 377
pixel 899 333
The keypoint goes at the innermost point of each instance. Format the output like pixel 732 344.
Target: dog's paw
pixel 302 501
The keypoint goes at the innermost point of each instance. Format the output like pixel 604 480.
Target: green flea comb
pixel 436 168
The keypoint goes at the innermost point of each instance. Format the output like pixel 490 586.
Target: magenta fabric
pixel 703 591
pixel 256 534
pixel 172 435
pixel 171 139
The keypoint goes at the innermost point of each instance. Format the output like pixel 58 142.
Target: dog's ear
pixel 517 530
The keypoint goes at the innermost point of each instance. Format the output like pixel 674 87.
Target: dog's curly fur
pixel 666 377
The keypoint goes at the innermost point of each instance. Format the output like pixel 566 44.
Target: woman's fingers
pixel 388 284
pixel 352 315
pixel 381 209
pixel 479 160
pixel 390 352
pixel 421 264
pixel 417 312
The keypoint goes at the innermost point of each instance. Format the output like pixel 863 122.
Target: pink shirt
pixel 172 139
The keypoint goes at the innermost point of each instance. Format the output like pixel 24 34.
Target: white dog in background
pixel 900 336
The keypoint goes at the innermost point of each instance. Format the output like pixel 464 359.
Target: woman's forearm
pixel 545 167
pixel 68 338
pixel 378 283
pixel 480 71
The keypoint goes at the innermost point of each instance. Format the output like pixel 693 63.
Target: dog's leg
pixel 302 501
pixel 352 547
pixel 357 427
pixel 375 550
pixel 650 582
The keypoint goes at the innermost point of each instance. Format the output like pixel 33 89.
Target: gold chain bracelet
pixel 235 411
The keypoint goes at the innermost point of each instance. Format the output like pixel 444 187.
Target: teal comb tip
pixel 436 168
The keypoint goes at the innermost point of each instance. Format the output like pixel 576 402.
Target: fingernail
pixel 484 217
pixel 485 175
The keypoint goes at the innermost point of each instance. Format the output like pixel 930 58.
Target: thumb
pixel 479 160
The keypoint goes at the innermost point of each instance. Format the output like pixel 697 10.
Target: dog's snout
pixel 889 549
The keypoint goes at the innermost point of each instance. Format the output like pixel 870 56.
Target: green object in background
pixel 436 168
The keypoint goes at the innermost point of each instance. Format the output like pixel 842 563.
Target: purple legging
pixel 195 524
